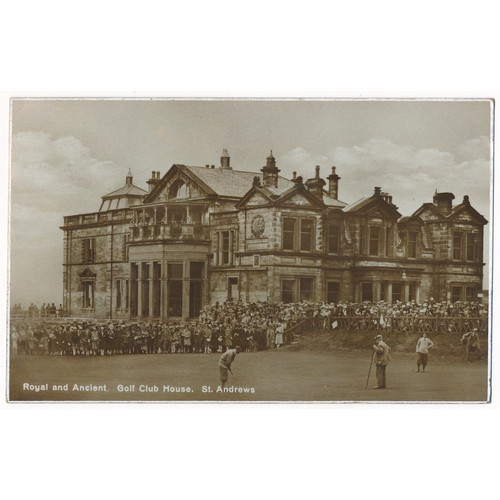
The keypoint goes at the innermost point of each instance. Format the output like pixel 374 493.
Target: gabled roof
pixel 467 207
pixel 218 181
pixel 455 211
pixel 278 196
pixel 369 203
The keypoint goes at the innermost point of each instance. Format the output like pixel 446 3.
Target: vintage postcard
pixel 250 250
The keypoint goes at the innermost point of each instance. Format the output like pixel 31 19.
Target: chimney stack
pixel 225 160
pixel 333 184
pixel 377 192
pixel 155 179
pixel 444 201
pixel 315 185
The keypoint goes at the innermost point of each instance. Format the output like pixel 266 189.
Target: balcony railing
pixel 174 230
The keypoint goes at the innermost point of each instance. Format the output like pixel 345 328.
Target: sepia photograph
pixel 250 250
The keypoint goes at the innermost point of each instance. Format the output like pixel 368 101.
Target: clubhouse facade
pixel 202 235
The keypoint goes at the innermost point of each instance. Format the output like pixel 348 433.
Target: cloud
pixel 409 174
pixel 478 148
pixel 63 167
pixel 50 178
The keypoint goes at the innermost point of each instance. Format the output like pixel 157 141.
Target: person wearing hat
pixel 471 342
pixel 382 358
pixel 422 351
pixel 225 362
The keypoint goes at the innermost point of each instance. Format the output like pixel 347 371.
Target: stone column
pixel 151 288
pixel 406 291
pixel 389 292
pixel 185 291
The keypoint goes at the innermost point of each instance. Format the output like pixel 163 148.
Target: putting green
pixel 277 375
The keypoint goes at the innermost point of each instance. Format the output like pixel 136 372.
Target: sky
pixel 67 153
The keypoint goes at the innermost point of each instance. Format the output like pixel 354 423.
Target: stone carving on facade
pixel 258 226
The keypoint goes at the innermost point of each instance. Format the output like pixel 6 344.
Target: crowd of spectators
pixel 252 326
pixel 384 315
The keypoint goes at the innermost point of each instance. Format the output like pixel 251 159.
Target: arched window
pixel 179 189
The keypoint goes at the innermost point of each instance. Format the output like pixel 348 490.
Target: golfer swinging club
pixel 225 363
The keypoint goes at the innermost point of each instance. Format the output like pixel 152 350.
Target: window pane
pixel 374 240
pixel 366 292
pixel 471 246
pixel 396 292
pixel 306 227
pixel 305 289
pixel 175 298
pixel 287 291
pixel 289 234
pixel 412 244
pixel 333 292
pixel 457 246
pixel 196 270
pixel 174 271
pixel 412 292
pixel 362 240
pixel 333 238
pixel 225 247
pixel 456 293
pixel 470 293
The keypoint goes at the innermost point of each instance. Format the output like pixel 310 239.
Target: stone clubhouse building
pixel 207 234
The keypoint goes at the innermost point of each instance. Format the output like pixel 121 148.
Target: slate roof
pixel 127 190
pixel 233 183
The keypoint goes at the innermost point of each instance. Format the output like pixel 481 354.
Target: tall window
pixel 225 247
pixel 134 289
pixel 412 244
pixel 333 292
pixel 306 235
pixel 88 250
pixel 145 289
pixel 88 294
pixel 412 291
pixel 289 228
pixel 333 241
pixel 374 240
pixel 156 289
pixel 362 240
pixel 305 289
pixel 196 271
pixel 470 247
pixel 397 292
pixel 388 241
pixel 457 246
pixel 118 298
pixel 367 291
pixel 175 275
pixel 288 291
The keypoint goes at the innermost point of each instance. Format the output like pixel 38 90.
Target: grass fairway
pixel 275 375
